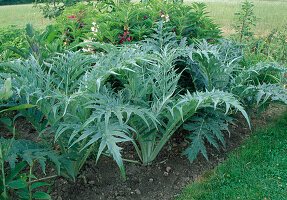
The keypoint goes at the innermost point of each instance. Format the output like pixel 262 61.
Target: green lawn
pixel 20 15
pixel 271 14
pixel 255 171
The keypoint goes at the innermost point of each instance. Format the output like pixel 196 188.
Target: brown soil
pixel 163 179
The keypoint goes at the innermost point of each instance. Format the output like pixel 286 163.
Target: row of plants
pixel 91 98
pixel 109 22
pixel 117 24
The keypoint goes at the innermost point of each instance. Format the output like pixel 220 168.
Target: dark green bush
pixel 13 2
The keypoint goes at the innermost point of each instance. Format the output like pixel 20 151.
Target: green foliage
pixel 169 70
pixel 12 2
pixel 92 103
pixel 130 22
pixel 208 125
pixel 260 85
pixel 42 45
pixel 213 66
pixel 245 19
pixel 11 36
pixel 271 47
pixel 21 153
pixel 6 91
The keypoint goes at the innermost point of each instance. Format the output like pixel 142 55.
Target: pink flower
pixel 161 11
pixel 145 16
pixel 72 17
pixel 173 29
pixel 185 31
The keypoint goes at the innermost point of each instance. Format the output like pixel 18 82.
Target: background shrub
pixel 124 23
pixel 12 2
pixel 14 37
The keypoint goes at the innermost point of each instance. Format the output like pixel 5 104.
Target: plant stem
pixel 45 178
pixel 3 172
pixel 30 180
pixel 126 160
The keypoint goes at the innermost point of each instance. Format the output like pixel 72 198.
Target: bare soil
pixel 163 179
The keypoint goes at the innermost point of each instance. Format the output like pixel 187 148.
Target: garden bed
pixel 163 179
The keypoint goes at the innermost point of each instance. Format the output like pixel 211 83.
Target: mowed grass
pixel 255 171
pixel 20 15
pixel 271 14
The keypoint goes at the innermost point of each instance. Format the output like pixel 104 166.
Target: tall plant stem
pixel 30 181
pixel 3 172
pixel 243 27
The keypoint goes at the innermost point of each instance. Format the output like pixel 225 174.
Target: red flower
pixel 72 17
pixel 125 37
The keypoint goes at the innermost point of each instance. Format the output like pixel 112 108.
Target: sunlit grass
pixel 20 15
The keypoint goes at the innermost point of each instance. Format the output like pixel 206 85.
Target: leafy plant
pixel 11 36
pixel 245 19
pixel 41 45
pixel 12 150
pixel 209 125
pixel 24 184
pixel 157 96
pixel 90 104
pixel 131 22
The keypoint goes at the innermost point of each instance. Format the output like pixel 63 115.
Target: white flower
pixel 167 18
